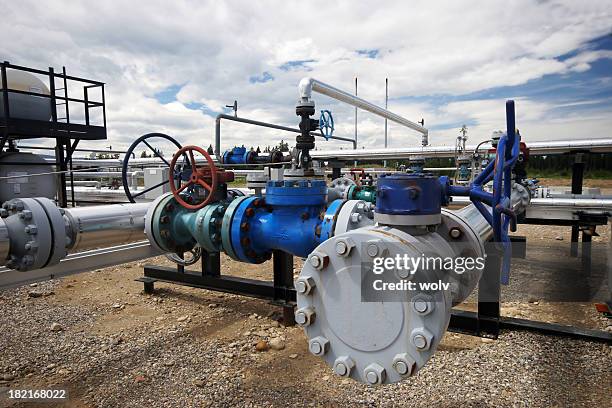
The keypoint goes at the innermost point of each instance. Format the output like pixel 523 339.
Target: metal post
pixel 577 179
pixel 211 263
pixel 585 255
pixel 386 107
pixel 5 100
pixel 489 292
pixel 59 145
pixel 283 284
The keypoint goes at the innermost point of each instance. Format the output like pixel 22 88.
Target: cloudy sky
pixel 172 66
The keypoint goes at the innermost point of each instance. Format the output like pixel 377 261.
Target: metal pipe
pixel 307 85
pixel 474 219
pixel 582 203
pixel 535 149
pixel 105 225
pixel 262 124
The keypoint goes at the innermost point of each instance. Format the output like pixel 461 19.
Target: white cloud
pixel 213 48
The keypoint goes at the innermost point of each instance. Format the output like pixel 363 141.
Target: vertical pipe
pixel 386 107
pixel 355 120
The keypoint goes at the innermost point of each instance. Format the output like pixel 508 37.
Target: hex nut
pixel 372 249
pixel 343 366
pixel 25 215
pixel 403 273
pixel 304 285
pixel 344 246
pixel 305 316
pixel 318 345
pixel 374 374
pixel 421 338
pixel 404 364
pixel 455 233
pixel 355 218
pixel 318 260
pixel 422 305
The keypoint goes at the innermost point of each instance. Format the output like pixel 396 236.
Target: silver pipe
pixel 535 149
pixel 474 219
pixel 307 85
pixel 581 203
pixel 105 225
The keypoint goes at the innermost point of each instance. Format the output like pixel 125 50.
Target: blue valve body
pixel 408 194
pixel 238 155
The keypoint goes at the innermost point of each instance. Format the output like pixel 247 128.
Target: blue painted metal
pixel 300 192
pixel 329 220
pixel 326 124
pixel 288 220
pixel 226 227
pixel 238 155
pixel 499 214
pixel 408 194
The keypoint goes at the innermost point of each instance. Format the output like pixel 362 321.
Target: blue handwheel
pixel 326 124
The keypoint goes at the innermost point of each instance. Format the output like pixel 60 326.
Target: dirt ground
pixel 119 347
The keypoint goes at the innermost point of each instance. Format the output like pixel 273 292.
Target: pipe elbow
pixel 305 88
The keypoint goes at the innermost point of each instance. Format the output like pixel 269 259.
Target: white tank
pixel 26 106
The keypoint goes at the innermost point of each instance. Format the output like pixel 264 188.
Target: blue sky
pixel 448 62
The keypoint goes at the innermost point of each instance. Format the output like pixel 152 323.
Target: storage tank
pixel 26 106
pixel 21 181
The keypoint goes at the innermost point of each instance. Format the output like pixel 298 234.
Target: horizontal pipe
pixel 535 149
pixel 220 116
pixel 105 225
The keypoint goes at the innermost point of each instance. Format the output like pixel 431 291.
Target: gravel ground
pixel 99 336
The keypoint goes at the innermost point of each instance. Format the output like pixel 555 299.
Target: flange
pixel 382 341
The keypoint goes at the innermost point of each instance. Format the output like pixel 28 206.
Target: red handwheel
pixel 204 176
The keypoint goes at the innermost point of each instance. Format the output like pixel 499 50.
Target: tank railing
pixel 53 97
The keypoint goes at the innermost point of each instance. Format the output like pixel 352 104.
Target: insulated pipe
pixel 307 85
pixel 535 149
pixel 35 233
pixel 476 221
pixel 105 225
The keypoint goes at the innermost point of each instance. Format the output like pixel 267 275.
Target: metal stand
pixel 279 292
pixel 577 179
pixel 486 322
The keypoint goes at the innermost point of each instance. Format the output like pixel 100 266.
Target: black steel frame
pixel 485 322
pixel 67 134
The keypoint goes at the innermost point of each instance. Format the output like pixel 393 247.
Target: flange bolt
pixel 374 374
pixel 318 345
pixel 305 316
